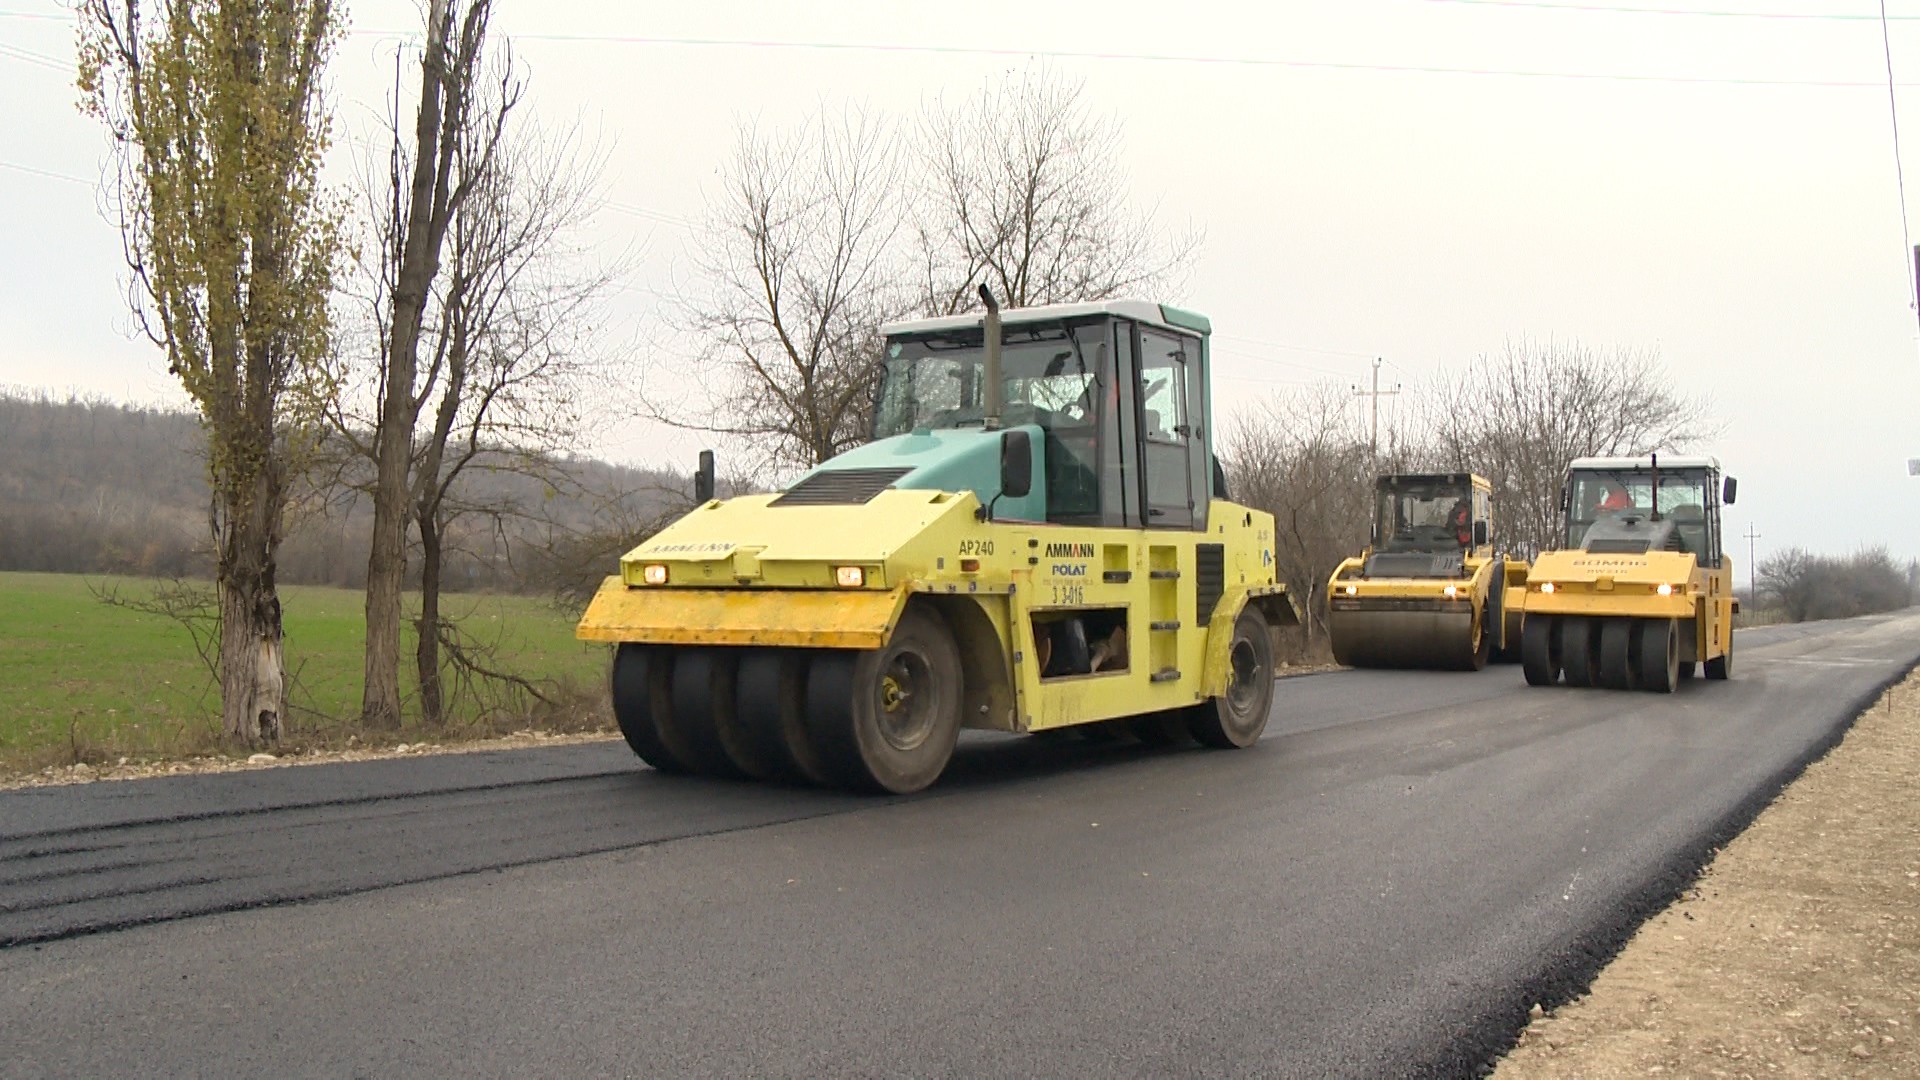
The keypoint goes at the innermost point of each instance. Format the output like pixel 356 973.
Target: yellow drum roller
pixel 1429 591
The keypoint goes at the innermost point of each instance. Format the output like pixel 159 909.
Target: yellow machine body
pixel 1037 536
pixel 1438 604
pixel 745 572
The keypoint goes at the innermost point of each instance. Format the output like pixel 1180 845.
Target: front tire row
pixel 1615 652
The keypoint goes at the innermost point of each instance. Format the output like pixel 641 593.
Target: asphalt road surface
pixel 1381 887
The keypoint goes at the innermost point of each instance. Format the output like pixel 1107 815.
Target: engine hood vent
pixel 840 487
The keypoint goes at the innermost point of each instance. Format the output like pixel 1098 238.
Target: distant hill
pixel 90 486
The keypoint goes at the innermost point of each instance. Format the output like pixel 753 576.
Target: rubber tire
pixel 844 711
pixel 1494 614
pixel 1227 722
pixel 771 711
pixel 749 756
pixel 1720 667
pixel 702 692
pixel 1658 653
pixel 639 686
pixel 1540 650
pixel 1687 669
pixel 1619 667
pixel 1579 650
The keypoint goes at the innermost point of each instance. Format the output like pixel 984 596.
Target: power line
pixel 1294 348
pixel 649 215
pixel 1609 9
pixel 1899 170
pixel 1160 58
pixel 30 57
pixel 1177 58
pixel 47 173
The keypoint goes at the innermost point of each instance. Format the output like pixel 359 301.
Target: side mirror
pixel 1016 464
pixel 1727 489
pixel 1479 534
pixel 703 478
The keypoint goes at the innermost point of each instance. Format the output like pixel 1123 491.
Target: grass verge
pixel 90 683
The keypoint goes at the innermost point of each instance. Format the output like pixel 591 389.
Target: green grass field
pixel 80 679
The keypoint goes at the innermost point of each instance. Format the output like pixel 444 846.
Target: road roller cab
pixel 1430 589
pixel 1641 593
pixel 1036 538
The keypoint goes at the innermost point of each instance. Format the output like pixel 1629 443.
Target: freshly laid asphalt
pixel 1381 887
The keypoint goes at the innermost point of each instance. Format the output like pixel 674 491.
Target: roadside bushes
pixel 1805 587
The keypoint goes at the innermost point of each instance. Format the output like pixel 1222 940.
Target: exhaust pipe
pixel 1656 487
pixel 990 328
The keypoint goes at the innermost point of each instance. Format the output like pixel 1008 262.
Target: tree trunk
pixel 252 665
pixel 386 568
pixel 393 443
pixel 427 653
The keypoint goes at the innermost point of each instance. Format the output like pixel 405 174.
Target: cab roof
pixel 1161 315
pixel 1472 479
pixel 1667 461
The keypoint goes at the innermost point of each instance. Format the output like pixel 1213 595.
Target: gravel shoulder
pixel 1796 953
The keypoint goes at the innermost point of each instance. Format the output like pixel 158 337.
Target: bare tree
pixel 457 130
pixel 820 236
pixel 515 337
pixel 1520 416
pixel 1303 458
pixel 219 122
pixel 800 269
pixel 1021 188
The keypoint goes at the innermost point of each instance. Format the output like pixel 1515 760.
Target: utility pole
pixel 1373 397
pixel 1753 592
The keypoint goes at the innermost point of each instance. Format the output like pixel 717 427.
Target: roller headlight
pixel 654 574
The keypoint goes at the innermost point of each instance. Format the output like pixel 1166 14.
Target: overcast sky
pixel 1418 180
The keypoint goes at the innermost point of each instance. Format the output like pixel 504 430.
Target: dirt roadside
pixel 1796 954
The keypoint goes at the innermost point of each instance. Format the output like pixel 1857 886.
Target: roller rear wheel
pixel 1618 668
pixel 887 719
pixel 1659 655
pixel 1721 666
pixel 1580 650
pixel 1540 650
pixel 1160 728
pixel 1236 718
pixel 1480 640
pixel 640 683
